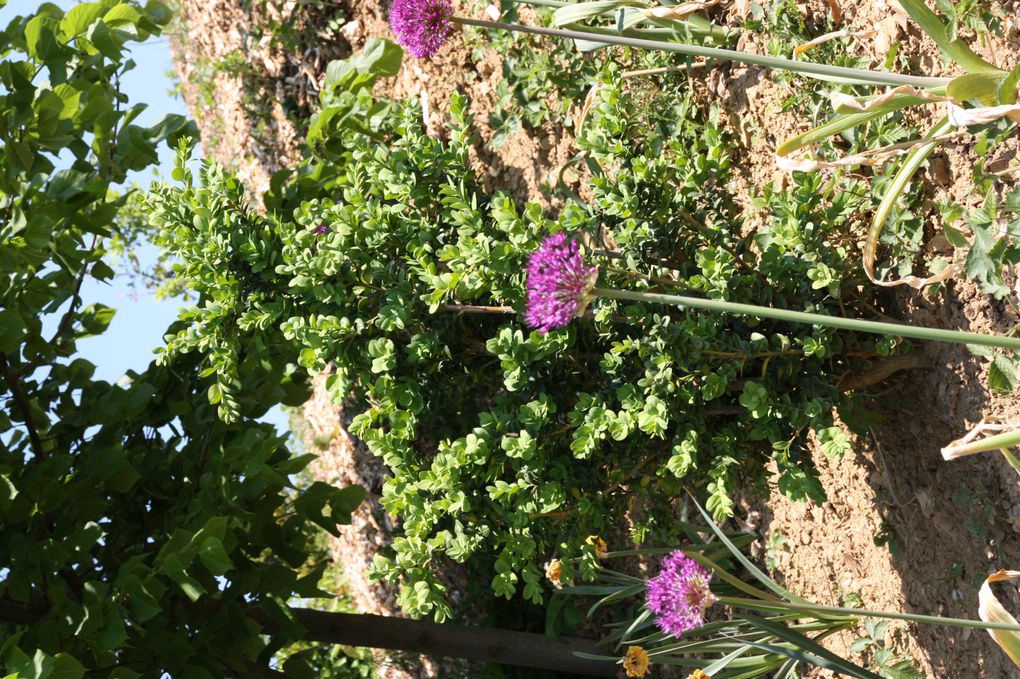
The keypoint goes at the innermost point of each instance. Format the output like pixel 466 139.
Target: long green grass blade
pixel 735 667
pixel 899 183
pixel 840 123
pixel 1011 459
pixel 638 623
pixel 625 593
pixel 757 672
pixel 717 551
pixel 579 11
pixel 739 538
pixel 849 119
pixel 590 590
pixel 1008 89
pixel 957 50
pixel 725 661
pixel 824 71
pixel 744 561
pixel 806 649
pixel 787 669
pixel 714 645
pixel 722 573
pixel 817 610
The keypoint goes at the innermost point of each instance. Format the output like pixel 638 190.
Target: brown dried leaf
pixel 844 103
pixel 741 8
pixel 964 117
pixel 800 49
pixel 887 33
pixel 990 610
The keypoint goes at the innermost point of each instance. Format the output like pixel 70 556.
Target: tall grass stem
pixel 859 325
pixel 805 67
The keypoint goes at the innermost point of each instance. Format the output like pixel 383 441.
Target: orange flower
pixel 698 674
pixel 636 661
pixel 554 572
pixel 598 544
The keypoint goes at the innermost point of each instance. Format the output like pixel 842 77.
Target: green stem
pixel 1011 459
pixel 1006 440
pixel 713 32
pixel 807 68
pixel 753 605
pixel 875 327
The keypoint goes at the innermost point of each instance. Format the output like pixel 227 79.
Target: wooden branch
pixel 522 649
pixel 23 405
pixel 67 319
pixel 477 309
pixel 881 370
pixel 480 644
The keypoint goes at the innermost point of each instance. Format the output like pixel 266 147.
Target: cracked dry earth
pixel 901 530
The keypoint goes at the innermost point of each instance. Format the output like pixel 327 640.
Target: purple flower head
pixel 421 26
pixel 559 283
pixel 679 594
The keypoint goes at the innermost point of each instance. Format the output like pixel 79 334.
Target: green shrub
pixel 507 446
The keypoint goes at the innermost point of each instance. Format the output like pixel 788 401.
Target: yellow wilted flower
pixel 554 572
pixel 636 661
pixel 598 544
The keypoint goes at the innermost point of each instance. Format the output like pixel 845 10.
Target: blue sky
pixel 140 321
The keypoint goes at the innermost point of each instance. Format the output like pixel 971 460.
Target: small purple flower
pixel 559 283
pixel 421 26
pixel 320 230
pixel 679 594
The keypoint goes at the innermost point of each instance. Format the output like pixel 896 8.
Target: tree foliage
pixel 138 526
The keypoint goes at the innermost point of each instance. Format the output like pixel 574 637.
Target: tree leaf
pixel 40 39
pixel 80 17
pixel 12 331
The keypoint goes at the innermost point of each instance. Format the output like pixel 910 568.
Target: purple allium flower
pixel 559 283
pixel 679 594
pixel 421 26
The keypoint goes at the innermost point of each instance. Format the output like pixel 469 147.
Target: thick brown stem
pixel 21 400
pixel 881 370
pixel 522 649
pixel 481 644
pixel 477 309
